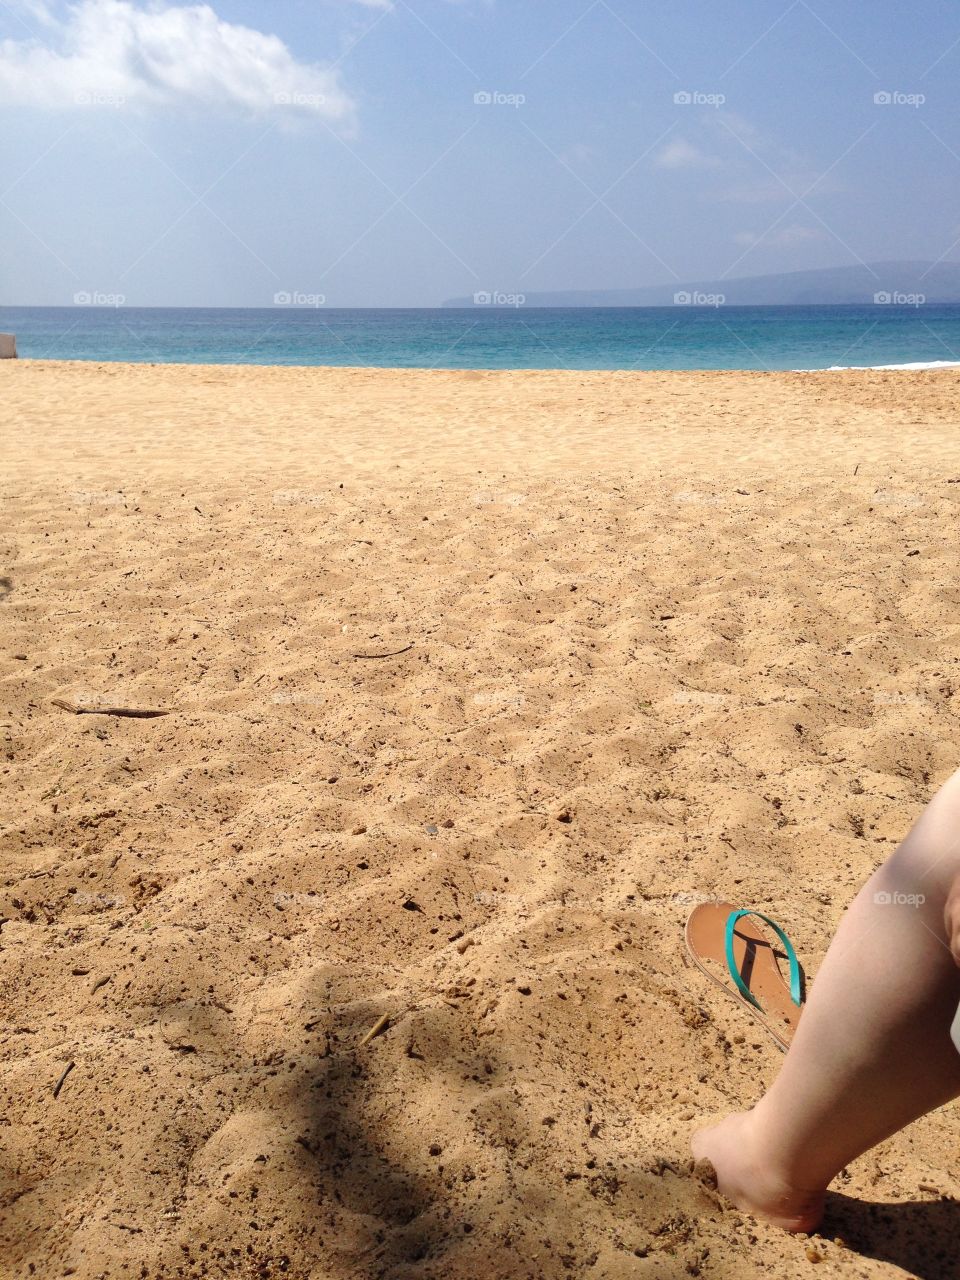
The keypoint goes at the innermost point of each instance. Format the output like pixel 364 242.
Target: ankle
pixel 775 1162
pixel 754 1178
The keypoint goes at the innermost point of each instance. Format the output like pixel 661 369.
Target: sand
pixel 655 638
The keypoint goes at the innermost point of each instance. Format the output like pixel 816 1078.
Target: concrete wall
pixel 8 346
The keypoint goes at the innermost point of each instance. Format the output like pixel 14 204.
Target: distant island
pixel 895 283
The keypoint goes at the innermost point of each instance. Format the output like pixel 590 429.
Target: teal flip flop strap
pixel 742 987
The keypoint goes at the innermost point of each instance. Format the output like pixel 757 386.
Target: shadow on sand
pixel 402 1200
pixel 919 1236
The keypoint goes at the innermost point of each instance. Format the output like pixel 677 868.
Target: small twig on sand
pixel 138 713
pixel 392 654
pixel 381 1024
pixel 66 1071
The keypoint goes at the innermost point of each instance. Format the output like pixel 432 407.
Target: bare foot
pixel 752 1183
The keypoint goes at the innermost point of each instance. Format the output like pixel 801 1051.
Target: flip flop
pixel 728 947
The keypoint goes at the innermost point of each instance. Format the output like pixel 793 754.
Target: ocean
pixel 678 337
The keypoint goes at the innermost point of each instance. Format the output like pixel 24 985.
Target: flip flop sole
pixel 758 963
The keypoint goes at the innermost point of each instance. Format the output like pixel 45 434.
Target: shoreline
pixel 906 366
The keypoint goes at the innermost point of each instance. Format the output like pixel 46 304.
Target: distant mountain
pixel 897 283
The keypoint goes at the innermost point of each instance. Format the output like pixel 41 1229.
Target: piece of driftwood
pixel 380 1025
pixel 392 654
pixel 66 1071
pixel 138 713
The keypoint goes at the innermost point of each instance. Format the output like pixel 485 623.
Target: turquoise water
pixel 678 337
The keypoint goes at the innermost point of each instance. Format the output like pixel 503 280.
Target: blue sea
pixel 678 337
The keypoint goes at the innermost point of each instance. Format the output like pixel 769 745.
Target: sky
pixel 394 153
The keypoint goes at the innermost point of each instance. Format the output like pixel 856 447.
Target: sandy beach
pixel 476 681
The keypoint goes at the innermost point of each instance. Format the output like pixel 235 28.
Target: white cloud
pixel 38 10
pixel 732 123
pixel 765 170
pixel 110 52
pixel 680 154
